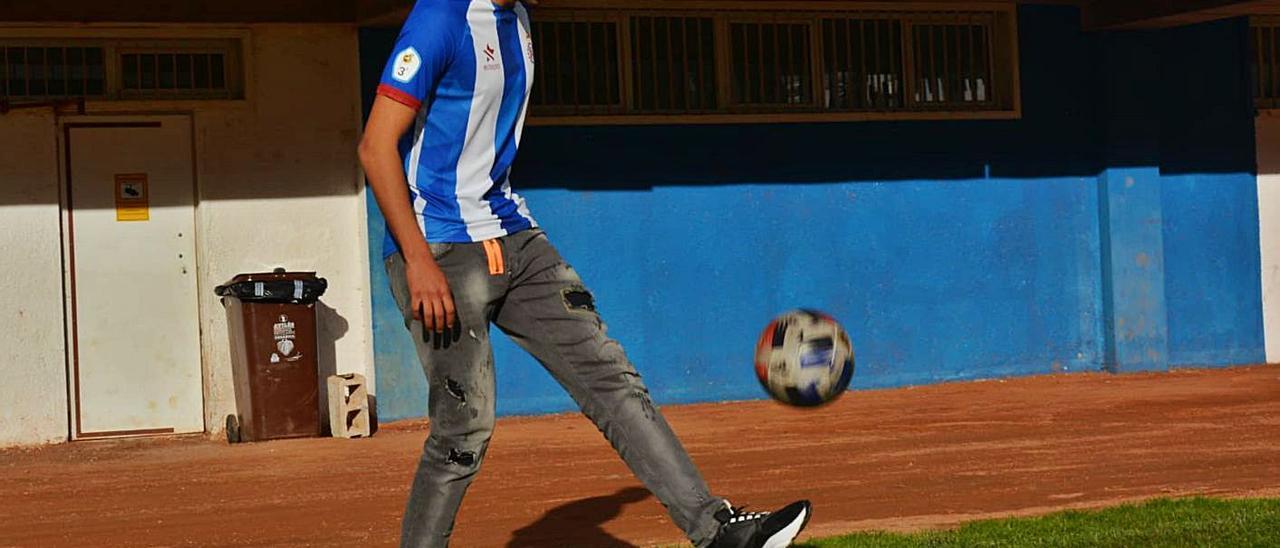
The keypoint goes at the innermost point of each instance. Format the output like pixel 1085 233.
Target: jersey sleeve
pixel 423 52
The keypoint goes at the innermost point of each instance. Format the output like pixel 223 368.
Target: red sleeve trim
pixel 399 96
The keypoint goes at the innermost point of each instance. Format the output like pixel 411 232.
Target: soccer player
pixel 464 251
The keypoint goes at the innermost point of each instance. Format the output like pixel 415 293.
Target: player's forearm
pixel 385 172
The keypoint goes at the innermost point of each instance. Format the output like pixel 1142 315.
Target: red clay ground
pixel 898 459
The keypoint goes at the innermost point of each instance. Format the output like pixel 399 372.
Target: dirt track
pixel 899 459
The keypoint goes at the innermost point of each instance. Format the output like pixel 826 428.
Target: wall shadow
pixel 578 523
pixel 330 327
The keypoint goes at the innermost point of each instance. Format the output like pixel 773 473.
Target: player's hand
pixel 431 297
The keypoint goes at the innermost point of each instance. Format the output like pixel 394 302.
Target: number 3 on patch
pixel 406 67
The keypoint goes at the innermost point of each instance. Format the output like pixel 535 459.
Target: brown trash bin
pixel 272 322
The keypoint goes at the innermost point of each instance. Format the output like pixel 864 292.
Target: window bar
pixel 48 70
pixel 555 59
pixel 990 70
pixel 671 65
pixel 839 71
pixel 1258 59
pixel 702 67
pixel 759 60
pixel 1272 58
pixel 591 64
pixel 830 62
pixel 951 57
pixel 1267 61
pixel 576 76
pixel 611 63
pixel 864 98
pixel 897 56
pixel 539 59
pixel 843 70
pixel 922 57
pixel 935 63
pixel 653 61
pixel 944 63
pixel 877 93
pixel 929 94
pixel 746 63
pixel 780 81
pixel 26 71
pixel 686 103
pixel 972 74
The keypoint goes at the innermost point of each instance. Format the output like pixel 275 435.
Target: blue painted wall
pixel 951 250
pixel 1210 198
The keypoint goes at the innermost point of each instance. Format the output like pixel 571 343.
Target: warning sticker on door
pixel 133 201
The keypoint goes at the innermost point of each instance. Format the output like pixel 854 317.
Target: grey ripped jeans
pixel 540 302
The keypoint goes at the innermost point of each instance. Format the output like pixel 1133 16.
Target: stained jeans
pixel 529 292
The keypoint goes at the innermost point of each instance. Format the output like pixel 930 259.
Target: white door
pixel 134 321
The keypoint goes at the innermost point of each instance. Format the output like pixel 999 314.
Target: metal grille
pixel 673 64
pixel 578 66
pixel 862 64
pixel 51 72
pixel 654 65
pixel 952 65
pixel 771 63
pixel 174 72
pixel 1266 64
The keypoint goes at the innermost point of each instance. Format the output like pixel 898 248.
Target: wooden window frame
pixel 1004 99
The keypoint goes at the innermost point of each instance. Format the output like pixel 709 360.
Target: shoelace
pixel 740 514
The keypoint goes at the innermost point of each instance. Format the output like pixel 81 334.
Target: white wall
pixel 32 356
pixel 1269 223
pixel 299 140
pixel 278 186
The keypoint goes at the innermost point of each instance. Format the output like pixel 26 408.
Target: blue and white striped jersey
pixel 467 66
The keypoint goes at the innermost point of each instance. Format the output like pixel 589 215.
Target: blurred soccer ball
pixel 804 359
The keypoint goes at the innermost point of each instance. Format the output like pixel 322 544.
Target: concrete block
pixel 348 406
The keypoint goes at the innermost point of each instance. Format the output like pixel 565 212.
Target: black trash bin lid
pixel 275 287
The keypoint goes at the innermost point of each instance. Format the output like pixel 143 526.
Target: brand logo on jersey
pixel 491 58
pixel 406 67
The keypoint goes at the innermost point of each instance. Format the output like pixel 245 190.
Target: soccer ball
pixel 804 359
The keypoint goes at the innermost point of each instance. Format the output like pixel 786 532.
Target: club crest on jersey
pixel 406 67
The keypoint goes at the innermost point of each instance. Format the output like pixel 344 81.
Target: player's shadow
pixel 578 523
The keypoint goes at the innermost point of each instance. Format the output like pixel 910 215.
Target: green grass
pixel 1160 523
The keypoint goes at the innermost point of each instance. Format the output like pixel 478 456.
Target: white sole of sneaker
pixel 783 538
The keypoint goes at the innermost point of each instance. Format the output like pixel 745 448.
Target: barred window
pixel 771 63
pixel 673 63
pixel 952 64
pixel 737 64
pixel 1266 62
pixel 108 69
pixel 174 72
pixel 564 46
pixel 50 72
pixel 862 64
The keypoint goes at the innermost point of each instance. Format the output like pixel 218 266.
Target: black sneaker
pixel 742 529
